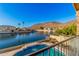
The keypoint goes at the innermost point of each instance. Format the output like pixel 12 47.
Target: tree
pixel 19 24
pixel 42 28
pixel 23 23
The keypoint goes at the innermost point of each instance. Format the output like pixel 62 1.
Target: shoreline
pixel 11 53
pixel 12 50
pixel 6 50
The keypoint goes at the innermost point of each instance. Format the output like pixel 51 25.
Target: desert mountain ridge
pixel 53 25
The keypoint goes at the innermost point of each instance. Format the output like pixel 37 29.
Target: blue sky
pixel 34 13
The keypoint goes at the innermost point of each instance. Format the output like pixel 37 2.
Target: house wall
pixel 7 28
pixel 77 13
pixel 76 6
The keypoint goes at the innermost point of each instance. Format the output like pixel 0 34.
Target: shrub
pixel 70 30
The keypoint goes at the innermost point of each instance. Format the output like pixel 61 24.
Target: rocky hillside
pixel 47 24
pixel 53 25
pixel 69 23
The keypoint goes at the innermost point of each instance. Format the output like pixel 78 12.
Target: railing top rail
pixel 41 50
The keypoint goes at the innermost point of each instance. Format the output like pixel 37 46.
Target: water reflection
pixel 7 36
pixel 9 40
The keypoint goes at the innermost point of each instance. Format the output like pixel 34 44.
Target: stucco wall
pixel 77 13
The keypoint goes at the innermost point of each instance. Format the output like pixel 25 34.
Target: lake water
pixel 9 40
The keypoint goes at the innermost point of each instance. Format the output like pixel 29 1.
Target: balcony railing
pixel 67 47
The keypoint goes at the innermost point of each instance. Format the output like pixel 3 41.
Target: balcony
pixel 68 47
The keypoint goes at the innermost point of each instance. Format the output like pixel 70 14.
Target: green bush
pixel 70 30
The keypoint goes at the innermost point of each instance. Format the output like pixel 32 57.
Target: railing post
pixel 49 52
pixel 61 49
pixel 68 49
pixel 43 53
pixel 54 51
pixel 58 49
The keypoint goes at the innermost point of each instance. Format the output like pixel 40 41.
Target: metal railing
pixel 63 48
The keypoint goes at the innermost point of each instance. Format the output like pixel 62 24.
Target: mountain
pixel 53 25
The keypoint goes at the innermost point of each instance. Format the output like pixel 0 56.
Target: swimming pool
pixel 35 48
pixel 46 53
pixel 30 49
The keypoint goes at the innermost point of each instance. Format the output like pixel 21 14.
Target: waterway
pixel 9 40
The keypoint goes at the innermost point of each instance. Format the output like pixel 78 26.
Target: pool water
pixel 57 53
pixel 35 48
pixel 30 49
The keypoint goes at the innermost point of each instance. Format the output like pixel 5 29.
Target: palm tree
pixel 19 24
pixel 23 23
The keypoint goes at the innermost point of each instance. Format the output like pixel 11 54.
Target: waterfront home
pixel 7 29
pixel 47 27
pixel 23 30
pixel 52 26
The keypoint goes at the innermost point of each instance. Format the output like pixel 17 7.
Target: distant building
pixel 7 28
